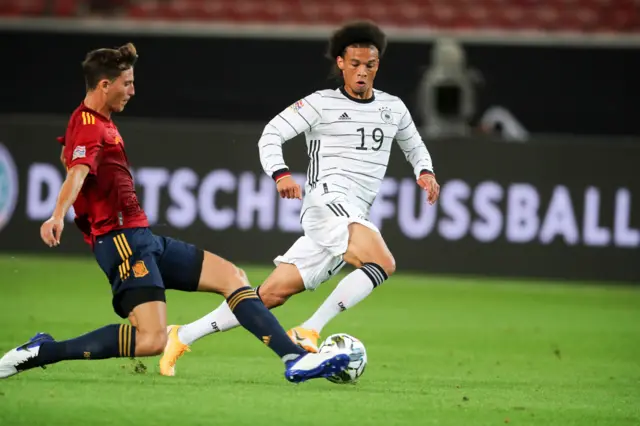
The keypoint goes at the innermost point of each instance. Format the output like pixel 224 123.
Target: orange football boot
pixel 172 351
pixel 305 338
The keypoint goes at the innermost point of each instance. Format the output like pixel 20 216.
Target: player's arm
pixel 84 160
pixel 300 117
pixel 63 160
pixel 70 189
pixel 417 154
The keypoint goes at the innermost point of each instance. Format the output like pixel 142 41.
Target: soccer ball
pixel 356 351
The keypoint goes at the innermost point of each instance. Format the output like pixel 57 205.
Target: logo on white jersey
pixel 79 152
pixel 385 114
pixel 344 116
pixel 297 105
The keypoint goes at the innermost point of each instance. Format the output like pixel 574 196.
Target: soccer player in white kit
pixel 349 133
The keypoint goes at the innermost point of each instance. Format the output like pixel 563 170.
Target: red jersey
pixel 107 200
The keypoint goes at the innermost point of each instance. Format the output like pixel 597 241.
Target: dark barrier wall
pixel 540 209
pixel 549 89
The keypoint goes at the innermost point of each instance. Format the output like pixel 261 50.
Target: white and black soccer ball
pixel 357 352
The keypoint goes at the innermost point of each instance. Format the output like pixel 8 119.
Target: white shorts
pixel 326 217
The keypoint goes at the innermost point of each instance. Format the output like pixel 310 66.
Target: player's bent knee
pixel 388 263
pixel 243 277
pixel 221 276
pixel 233 279
pixel 150 343
pixel 284 282
pixel 272 299
pixel 352 259
pixel 133 320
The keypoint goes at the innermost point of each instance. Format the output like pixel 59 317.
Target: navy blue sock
pixel 255 317
pixel 111 341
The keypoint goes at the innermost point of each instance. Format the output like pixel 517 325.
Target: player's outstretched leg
pixel 221 276
pixel 285 281
pixel 111 341
pixel 368 253
pixel 281 284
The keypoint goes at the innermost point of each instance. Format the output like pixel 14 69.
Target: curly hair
pixel 358 34
pixel 108 63
pixel 354 34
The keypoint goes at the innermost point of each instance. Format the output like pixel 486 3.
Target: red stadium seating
pixel 23 7
pixel 547 15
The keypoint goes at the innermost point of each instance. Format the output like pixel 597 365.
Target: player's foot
pixel 172 351
pixel 306 338
pixel 316 365
pixel 24 357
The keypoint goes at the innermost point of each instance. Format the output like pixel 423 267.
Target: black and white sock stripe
pixel 376 274
pixel 338 210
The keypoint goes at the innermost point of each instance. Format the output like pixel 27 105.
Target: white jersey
pixel 348 141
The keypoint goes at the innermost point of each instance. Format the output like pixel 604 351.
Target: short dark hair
pixel 356 34
pixel 108 63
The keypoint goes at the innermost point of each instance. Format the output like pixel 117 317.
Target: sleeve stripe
pixel 273 134
pixel 88 118
pixel 272 155
pixel 287 121
pixel 412 149
pixel 403 140
pixel 407 126
pixel 305 120
pixel 270 144
pixel 311 105
pixel 278 131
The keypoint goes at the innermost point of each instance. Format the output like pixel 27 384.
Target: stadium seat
pixel 546 15
pixel 65 8
pixel 23 7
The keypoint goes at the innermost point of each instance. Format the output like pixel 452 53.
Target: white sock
pixel 350 291
pixel 222 319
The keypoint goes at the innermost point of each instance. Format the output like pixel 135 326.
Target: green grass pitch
pixel 442 351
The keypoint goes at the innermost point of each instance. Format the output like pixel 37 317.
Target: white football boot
pixel 24 357
pixel 316 365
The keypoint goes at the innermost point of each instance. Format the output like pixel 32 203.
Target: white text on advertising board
pixel 486 212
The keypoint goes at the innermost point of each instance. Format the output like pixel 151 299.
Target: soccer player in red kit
pixel 138 264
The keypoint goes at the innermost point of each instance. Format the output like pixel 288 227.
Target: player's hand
pixel 51 231
pixel 428 183
pixel 288 188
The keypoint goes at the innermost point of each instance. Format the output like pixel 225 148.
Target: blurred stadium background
pixel 516 299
